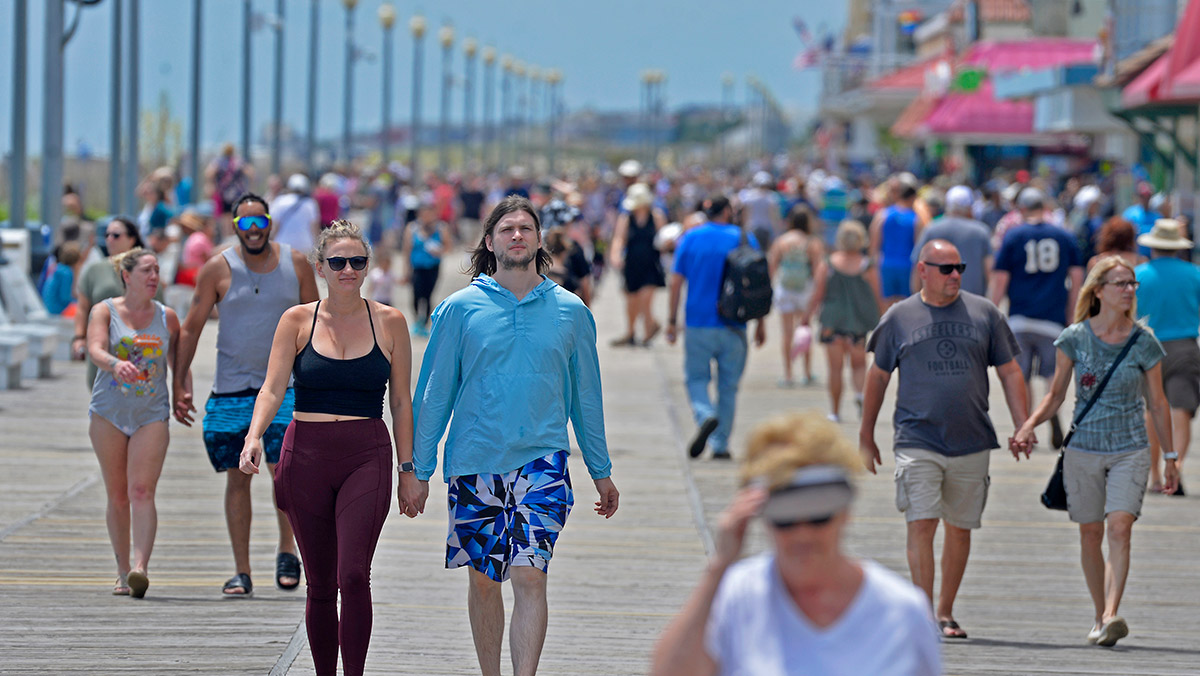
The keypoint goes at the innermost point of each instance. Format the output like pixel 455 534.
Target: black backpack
pixel 745 284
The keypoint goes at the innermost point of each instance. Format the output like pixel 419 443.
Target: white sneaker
pixel 833 418
pixel 1112 631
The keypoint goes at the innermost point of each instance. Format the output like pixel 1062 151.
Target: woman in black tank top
pixel 333 479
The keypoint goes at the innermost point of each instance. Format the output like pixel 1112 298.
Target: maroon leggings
pixel 334 482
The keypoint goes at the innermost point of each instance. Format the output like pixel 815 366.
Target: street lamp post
pixel 277 100
pixel 644 114
pixel 194 127
pixel 489 87
pixel 16 215
pixel 247 21
pixel 310 124
pixel 348 96
pixel 446 38
pixel 726 102
pixel 387 18
pixel 131 160
pixel 535 77
pixel 417 26
pixel 506 140
pixel 470 47
pixel 553 79
pixel 521 71
pixel 114 108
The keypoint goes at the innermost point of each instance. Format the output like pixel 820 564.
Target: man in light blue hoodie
pixel 512 357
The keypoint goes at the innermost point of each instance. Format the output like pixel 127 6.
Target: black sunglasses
pixel 817 522
pixel 336 263
pixel 947 268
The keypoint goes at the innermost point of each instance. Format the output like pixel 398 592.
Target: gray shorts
pixel 930 485
pixel 1181 374
pixel 1039 347
pixel 1099 484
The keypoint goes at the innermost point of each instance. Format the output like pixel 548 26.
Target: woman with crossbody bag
pixel 1106 463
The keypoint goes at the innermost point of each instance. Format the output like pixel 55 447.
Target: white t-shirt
pixel 756 629
pixel 381 282
pixel 292 216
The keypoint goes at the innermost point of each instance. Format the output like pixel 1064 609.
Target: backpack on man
pixel 745 284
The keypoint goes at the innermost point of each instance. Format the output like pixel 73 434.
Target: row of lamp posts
pixel 124 168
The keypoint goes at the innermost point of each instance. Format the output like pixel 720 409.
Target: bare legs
pixel 837 351
pixel 238 514
pixel 1106 579
pixel 130 467
pixel 956 548
pixel 638 306
pixel 485 605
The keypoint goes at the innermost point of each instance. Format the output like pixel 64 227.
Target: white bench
pixel 22 313
pixel 14 350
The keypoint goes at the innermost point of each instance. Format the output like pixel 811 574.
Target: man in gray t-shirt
pixel 972 239
pixel 943 342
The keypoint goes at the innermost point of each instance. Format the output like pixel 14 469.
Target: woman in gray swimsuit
pixel 132 339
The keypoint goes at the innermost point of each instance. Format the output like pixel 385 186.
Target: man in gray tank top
pixel 252 284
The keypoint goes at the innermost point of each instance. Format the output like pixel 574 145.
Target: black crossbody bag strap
pixel 1137 331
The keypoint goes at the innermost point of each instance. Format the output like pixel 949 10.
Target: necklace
pixel 256 278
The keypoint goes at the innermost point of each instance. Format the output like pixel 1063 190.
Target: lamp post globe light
pixel 348 95
pixel 387 19
pixel 416 25
pixel 470 48
pixel 446 38
pixel 489 85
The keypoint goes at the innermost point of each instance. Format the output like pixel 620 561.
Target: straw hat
pixel 638 195
pixel 1167 234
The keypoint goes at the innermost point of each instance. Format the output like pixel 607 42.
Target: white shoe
pixel 1094 634
pixel 833 418
pixel 1112 631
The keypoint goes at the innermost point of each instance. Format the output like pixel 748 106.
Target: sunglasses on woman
pixel 337 263
pixel 947 268
pixel 244 223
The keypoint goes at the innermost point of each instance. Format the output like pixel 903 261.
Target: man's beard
pixel 507 262
pixel 266 241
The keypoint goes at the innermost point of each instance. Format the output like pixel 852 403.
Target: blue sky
pixel 601 47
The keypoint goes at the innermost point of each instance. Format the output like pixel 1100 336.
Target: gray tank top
pixel 129 406
pixel 250 311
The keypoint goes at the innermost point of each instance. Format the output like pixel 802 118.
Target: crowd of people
pixel 939 281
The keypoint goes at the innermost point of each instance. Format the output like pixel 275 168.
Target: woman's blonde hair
pixel 1088 304
pixel 126 262
pixel 340 229
pixel 784 444
pixel 851 236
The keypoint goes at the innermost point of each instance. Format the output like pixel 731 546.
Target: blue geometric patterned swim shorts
pixel 498 521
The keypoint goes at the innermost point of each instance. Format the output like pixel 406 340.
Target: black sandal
pixel 287 565
pixel 239 581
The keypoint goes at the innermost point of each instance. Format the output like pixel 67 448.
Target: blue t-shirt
pixel 1169 297
pixel 1038 258
pixel 1142 219
pixel 700 258
pixel 899 236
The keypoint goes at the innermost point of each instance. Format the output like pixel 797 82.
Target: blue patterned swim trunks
pixel 227 422
pixel 498 521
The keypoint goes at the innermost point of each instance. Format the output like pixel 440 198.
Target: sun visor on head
pixel 814 492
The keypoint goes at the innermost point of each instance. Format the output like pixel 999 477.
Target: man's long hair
pixel 483 260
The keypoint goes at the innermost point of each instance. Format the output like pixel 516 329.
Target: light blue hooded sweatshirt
pixel 512 373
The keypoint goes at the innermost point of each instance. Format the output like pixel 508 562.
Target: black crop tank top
pixel 352 387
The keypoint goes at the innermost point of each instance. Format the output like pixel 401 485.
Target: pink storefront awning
pixel 978 113
pixel 1147 87
pixel 1173 79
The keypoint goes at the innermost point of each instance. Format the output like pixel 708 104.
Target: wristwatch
pixel 407 467
pixel 1170 455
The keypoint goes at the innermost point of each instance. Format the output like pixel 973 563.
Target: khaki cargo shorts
pixel 930 485
pixel 1099 484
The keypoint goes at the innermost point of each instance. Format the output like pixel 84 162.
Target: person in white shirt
pixel 295 215
pixel 804 607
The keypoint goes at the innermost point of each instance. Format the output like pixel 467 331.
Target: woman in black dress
pixel 633 252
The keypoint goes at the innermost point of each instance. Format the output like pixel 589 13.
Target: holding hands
pixel 411 495
pixel 1023 441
